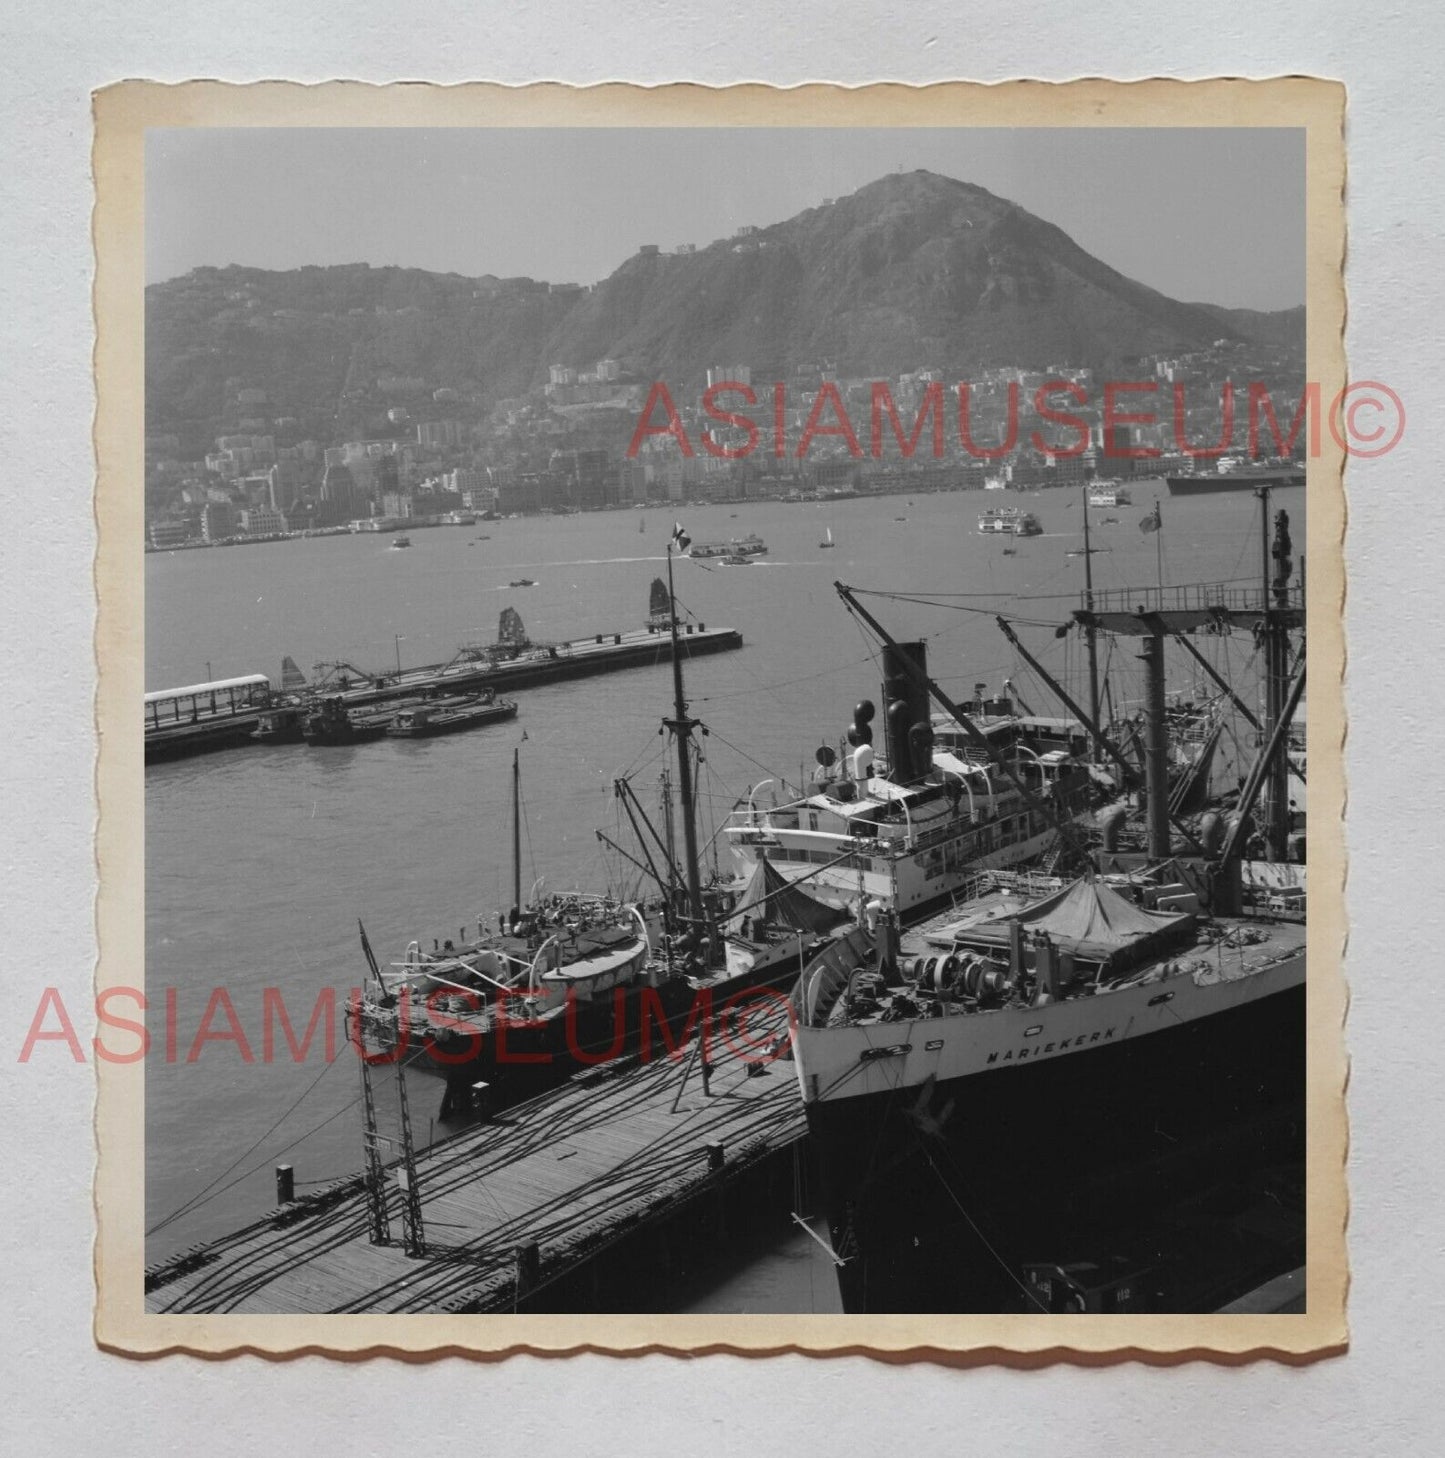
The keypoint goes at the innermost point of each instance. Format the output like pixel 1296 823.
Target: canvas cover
pixel 770 897
pixel 1088 918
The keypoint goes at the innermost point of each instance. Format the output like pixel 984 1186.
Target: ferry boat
pixel 912 830
pixel 1109 494
pixel 749 546
pixel 1011 520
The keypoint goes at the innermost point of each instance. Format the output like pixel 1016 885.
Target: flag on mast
pixel 680 538
pixel 1152 522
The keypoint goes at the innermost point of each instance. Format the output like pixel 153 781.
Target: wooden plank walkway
pixel 574 1170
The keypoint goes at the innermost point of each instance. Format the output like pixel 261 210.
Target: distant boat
pixel 1010 521
pixel 900 518
pixel 736 559
pixel 401 542
pixel 1109 494
pixel 522 582
pixel 1010 551
pixel 827 540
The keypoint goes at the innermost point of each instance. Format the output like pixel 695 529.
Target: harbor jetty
pixel 642 1162
pixel 200 718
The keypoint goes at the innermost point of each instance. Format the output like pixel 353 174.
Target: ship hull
pixel 452 723
pixel 938 1194
pixel 1238 481
pixel 528 1057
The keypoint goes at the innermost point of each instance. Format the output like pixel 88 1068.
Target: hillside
pixel 910 271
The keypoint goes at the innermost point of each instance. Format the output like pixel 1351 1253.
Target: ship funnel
pixel 910 753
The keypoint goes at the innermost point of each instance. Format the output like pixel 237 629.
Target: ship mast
pixel 1275 565
pixel 1091 633
pixel 516 829
pixel 682 727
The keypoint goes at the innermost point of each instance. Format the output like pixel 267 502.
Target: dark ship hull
pixel 940 1196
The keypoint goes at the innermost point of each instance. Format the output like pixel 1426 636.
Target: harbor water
pixel 260 861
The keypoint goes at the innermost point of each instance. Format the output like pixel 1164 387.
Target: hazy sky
pixel 1206 215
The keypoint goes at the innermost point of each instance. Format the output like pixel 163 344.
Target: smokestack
pixel 906 703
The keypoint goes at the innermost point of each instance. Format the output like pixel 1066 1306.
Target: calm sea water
pixel 260 862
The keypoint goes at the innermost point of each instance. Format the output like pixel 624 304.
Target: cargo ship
pixel 1235 478
pixel 1051 1056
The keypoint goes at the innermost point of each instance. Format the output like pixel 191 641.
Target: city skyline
pixel 1211 215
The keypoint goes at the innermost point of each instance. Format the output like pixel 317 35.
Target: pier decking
pixel 514 1204
pixel 581 658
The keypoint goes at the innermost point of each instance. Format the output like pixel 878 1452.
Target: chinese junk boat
pixel 1067 1065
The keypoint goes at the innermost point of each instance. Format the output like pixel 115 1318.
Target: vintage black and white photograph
pixel 726 724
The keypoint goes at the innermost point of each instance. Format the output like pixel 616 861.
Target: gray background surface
pixel 63 1396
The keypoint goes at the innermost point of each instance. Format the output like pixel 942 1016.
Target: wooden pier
pixel 517 1203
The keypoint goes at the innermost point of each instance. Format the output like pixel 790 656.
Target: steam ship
pixel 912 828
pixel 1063 1061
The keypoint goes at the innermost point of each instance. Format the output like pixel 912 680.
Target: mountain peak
pixel 914 269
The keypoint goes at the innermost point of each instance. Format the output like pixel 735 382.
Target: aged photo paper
pixel 863 535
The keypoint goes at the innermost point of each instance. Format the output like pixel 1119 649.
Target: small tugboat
pixel 282 725
pixel 331 722
pixel 400 542
pixel 451 715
